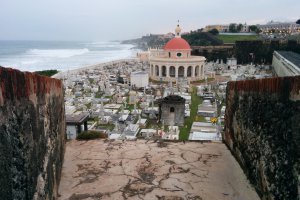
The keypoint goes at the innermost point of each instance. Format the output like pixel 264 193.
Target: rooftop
pixel 291 56
pixel 76 119
pixel 173 99
pixel 177 44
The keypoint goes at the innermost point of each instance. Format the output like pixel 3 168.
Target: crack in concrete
pixel 176 173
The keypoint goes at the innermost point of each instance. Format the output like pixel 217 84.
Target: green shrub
pixel 90 135
pixel 49 73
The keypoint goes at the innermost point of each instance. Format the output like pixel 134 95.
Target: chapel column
pixel 159 70
pixel 167 71
pixel 193 71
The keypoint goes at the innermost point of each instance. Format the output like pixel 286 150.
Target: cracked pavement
pixel 103 169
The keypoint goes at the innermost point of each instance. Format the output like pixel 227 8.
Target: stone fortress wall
pixel 32 130
pixel 262 129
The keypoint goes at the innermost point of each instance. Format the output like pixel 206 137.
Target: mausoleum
pixel 175 61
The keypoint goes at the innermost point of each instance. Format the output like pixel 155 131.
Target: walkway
pixel 139 170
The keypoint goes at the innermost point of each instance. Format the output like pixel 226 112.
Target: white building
pixel 139 79
pixel 175 61
pixel 289 27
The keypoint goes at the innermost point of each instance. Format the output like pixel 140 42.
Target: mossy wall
pixel 32 131
pixel 262 129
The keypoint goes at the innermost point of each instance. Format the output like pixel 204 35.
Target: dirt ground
pixel 102 169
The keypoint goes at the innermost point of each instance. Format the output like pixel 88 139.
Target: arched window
pixel 197 70
pixel 169 54
pixel 172 71
pixel 181 71
pixel 189 71
pixel 172 109
pixel 156 70
pixel 164 71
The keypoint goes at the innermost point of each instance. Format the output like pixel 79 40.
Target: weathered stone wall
pixel 262 129
pixel 32 131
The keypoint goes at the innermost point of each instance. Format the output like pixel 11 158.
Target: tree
pixel 232 28
pixel 214 31
pixel 298 21
pixel 239 27
pixel 253 28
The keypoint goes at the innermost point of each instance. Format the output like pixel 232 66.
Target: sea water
pixel 60 55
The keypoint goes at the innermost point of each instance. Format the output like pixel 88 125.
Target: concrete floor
pixel 102 169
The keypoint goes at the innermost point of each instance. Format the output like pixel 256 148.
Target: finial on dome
pixel 177 30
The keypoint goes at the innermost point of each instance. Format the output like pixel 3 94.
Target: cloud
pixel 122 19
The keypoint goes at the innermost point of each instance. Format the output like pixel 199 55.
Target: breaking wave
pixel 58 53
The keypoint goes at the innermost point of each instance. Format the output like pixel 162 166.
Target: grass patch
pixel 185 130
pixel 203 81
pixel 49 73
pixel 109 127
pixel 90 135
pixel 234 38
pixel 88 105
pixel 156 82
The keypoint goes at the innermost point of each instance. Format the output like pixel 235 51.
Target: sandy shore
pixel 94 66
pixel 142 170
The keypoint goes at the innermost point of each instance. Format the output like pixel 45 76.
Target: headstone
pixel 116 126
pixel 132 97
pixel 102 111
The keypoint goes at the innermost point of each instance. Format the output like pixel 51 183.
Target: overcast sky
pixel 102 20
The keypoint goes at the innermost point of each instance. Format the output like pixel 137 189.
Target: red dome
pixel 177 44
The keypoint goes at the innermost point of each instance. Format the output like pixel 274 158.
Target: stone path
pixel 102 169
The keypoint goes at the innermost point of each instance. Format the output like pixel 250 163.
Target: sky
pixel 104 20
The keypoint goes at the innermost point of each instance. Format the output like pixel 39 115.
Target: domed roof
pixel 177 43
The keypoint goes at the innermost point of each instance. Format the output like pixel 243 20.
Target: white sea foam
pixel 58 53
pixel 29 62
pixel 64 56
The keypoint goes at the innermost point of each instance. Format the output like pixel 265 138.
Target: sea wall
pixel 32 131
pixel 262 129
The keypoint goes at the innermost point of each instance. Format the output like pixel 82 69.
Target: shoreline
pixel 61 74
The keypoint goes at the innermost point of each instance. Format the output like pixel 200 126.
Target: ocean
pixel 61 55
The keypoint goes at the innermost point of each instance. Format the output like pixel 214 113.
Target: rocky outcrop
pixel 32 130
pixel 262 129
